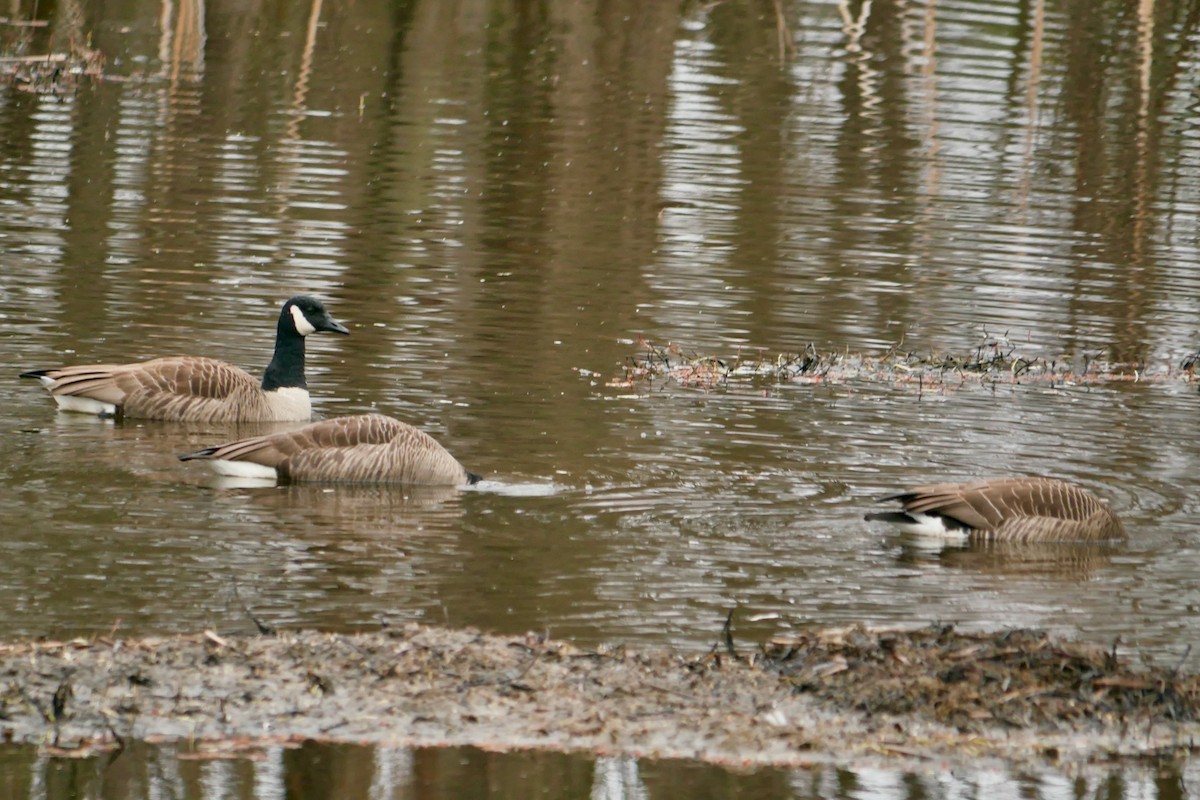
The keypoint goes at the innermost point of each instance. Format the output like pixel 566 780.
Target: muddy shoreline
pixel 848 696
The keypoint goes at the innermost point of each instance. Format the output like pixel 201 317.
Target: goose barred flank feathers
pixel 197 389
pixel 366 448
pixel 1019 509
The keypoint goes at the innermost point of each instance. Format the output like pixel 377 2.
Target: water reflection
pixel 320 770
pixel 1070 561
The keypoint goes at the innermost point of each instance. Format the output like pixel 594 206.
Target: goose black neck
pixel 286 369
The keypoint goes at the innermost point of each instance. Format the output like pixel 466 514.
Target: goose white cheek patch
pixel 303 326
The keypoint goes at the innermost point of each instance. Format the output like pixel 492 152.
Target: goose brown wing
pixel 177 388
pixel 970 508
pixel 369 448
pixel 190 388
pixel 1018 508
pixel 191 376
pixel 94 381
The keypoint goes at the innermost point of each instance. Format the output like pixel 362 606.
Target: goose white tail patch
pixel 84 405
pixel 931 526
pixel 303 326
pixel 243 469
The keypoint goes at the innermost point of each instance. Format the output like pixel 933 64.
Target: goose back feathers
pixel 366 448
pixel 1024 509
pixel 197 389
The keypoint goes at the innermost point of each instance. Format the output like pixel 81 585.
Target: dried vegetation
pixel 843 696
pixel 56 71
pixel 1017 679
pixel 992 361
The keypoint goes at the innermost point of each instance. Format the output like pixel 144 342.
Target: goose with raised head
pixel 364 448
pixel 198 389
pixel 1017 509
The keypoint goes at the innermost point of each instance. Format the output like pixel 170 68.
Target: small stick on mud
pixel 263 628
pixel 727 632
pixel 58 704
pixel 1182 660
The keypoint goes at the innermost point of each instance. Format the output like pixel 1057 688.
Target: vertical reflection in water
pixel 237 214
pixel 1030 112
pixel 381 772
pixel 870 783
pixel 163 775
pixel 136 114
pixel 181 40
pixel 37 777
pixel 393 769
pixel 269 776
pixel 701 182
pixel 617 778
pixel 44 218
pixel 312 243
pixel 1142 219
pixel 312 171
pixel 218 779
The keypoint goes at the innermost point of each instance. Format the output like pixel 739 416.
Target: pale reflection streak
pixel 617 778
pixel 136 117
pixel 44 218
pixel 311 177
pixel 181 40
pixel 217 779
pixel 1033 82
pixel 270 775
pixel 237 172
pixel 393 772
pixel 853 28
pixel 159 772
pixel 1143 200
pixel 702 178
pixel 986 781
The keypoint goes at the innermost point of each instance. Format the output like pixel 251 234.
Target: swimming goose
pixel 366 448
pixel 196 389
pixel 1020 509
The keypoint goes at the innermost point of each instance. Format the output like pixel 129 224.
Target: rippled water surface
pixel 501 201
pixel 319 771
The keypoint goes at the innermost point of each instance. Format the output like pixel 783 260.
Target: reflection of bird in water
pixel 347 512
pixel 366 448
pixel 197 389
pixel 1069 560
pixel 1018 509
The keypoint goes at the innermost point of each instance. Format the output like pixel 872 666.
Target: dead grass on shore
pixel 836 695
pixel 994 360
pixel 1020 679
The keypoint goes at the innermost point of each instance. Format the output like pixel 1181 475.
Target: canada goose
pixel 197 389
pixel 366 448
pixel 1020 509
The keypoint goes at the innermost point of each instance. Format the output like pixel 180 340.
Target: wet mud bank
pixel 933 695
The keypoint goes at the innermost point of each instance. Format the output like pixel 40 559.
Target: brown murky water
pixel 499 199
pixel 316 771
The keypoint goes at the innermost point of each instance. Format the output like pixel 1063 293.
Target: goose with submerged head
pixel 363 448
pixel 1015 509
pixel 198 389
